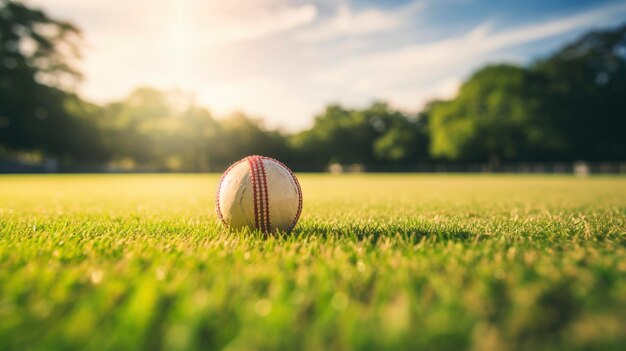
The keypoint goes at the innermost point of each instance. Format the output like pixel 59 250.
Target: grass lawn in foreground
pixel 377 261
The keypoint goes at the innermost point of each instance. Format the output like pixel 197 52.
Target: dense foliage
pixel 374 134
pixel 568 106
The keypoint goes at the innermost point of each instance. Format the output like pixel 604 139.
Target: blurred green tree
pixel 156 129
pixel 337 135
pixel 401 138
pixel 200 133
pixel 37 113
pixel 137 128
pixel 377 133
pixel 239 136
pixel 159 130
pixel 568 106
pixel 406 139
pixel 583 95
pixel 495 117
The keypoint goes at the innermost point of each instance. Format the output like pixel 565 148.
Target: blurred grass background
pixel 377 261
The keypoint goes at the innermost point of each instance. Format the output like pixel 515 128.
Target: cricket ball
pixel 259 193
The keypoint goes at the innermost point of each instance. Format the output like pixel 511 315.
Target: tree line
pixel 567 106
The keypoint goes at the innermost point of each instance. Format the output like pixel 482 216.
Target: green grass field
pixel 121 262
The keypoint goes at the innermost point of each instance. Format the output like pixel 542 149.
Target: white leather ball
pixel 261 193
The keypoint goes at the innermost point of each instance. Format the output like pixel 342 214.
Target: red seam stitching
pixel 219 187
pixel 268 217
pixel 259 179
pixel 293 176
pixel 253 177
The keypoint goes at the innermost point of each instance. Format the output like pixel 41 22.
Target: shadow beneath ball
pixel 408 231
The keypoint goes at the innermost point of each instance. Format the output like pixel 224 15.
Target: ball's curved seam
pixel 257 179
pixel 260 195
pixel 268 217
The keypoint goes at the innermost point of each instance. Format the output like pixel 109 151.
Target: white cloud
pixel 215 22
pixel 220 29
pixel 491 41
pixel 348 23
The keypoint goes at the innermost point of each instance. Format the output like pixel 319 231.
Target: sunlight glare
pixel 179 39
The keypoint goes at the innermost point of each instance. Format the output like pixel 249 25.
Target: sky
pixel 284 61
